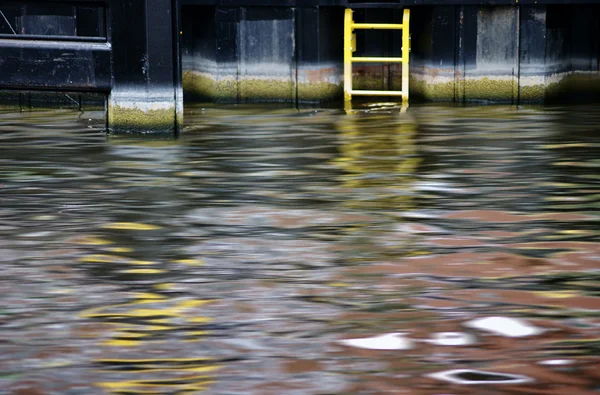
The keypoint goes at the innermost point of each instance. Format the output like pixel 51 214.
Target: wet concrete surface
pixel 266 251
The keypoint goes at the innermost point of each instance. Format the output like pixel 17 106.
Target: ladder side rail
pixel 405 54
pixel 348 22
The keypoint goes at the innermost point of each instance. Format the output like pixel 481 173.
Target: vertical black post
pixel 143 98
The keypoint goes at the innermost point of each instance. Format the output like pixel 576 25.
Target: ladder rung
pixel 376 93
pixel 371 59
pixel 385 26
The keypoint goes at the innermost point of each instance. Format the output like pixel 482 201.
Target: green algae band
pixel 199 86
pixel 136 120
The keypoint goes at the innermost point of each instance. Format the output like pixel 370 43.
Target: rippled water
pixel 261 251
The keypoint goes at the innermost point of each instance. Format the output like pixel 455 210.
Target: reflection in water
pixel 470 377
pixel 378 155
pixel 275 251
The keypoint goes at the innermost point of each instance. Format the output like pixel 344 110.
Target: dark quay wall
pixel 497 51
pixel 147 56
pixel 517 54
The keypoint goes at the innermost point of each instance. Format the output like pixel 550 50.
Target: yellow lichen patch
pixel 130 226
pixel 495 89
pixel 532 92
pixel 191 262
pixel 433 91
pixel 91 240
pixel 125 119
pixel 197 84
pixel 100 258
pixel 266 89
pixel 367 82
pixel 203 85
pixel 143 271
pixel 313 91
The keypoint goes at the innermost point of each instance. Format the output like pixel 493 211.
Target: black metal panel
pixel 532 46
pixel 307 35
pixel 142 41
pixel 226 26
pixel 128 23
pixel 557 56
pixel 48 20
pixel 54 65
pixel 583 38
pixel 91 21
pixel 44 20
pixel 443 36
pixel 87 2
pixel 160 42
pixel 468 37
pixel 331 34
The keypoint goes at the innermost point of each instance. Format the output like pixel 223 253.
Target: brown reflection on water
pixel 234 259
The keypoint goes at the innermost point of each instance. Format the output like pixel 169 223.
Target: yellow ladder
pixel 350 47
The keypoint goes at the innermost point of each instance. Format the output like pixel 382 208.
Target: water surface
pixel 234 259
